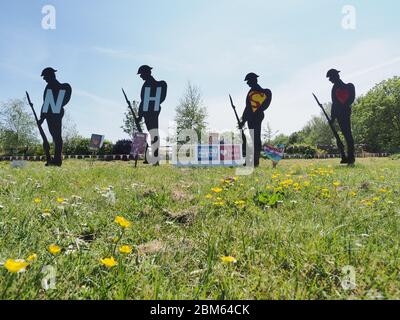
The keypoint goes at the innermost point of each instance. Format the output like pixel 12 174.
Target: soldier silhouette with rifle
pixel 153 94
pixel 343 96
pixel 55 97
pixel 257 102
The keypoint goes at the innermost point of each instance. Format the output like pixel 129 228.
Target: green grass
pixel 290 241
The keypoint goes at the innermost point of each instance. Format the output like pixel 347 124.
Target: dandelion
pixel 286 183
pixel 125 249
pixel 376 199
pixel 16 266
pixel 209 196
pixel 353 194
pixel 32 258
pixel 60 200
pixel 37 200
pixel 336 184
pixel 122 222
pixel 109 262
pixel 54 249
pixel 219 203
pixel 240 203
pixel 228 259
pixel 216 190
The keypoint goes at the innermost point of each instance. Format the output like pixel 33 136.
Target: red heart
pixel 342 95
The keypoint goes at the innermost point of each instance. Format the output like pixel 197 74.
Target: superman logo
pixel 257 99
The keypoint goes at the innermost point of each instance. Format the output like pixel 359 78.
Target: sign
pixel 274 153
pixel 96 142
pixel 231 153
pixel 207 155
pixel 139 144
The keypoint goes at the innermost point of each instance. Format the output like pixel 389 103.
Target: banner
pixel 96 142
pixel 139 144
pixel 273 153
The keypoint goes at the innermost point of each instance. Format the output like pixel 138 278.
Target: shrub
pixel 122 147
pixel 303 149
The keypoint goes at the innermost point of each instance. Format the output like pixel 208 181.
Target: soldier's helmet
pixel 332 73
pixel 48 72
pixel 251 76
pixel 145 69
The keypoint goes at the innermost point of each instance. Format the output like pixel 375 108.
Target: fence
pixel 125 157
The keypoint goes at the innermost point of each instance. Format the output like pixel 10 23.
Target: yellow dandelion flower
pixel 109 262
pixel 353 194
pixel 37 200
pixel 115 239
pixel 122 222
pixel 125 249
pixel 228 259
pixel 336 184
pixel 306 183
pixel 60 200
pixel 219 203
pixel 216 190
pixel 16 266
pixel 54 249
pixel 375 199
pixel 240 203
pixel 209 196
pixel 32 258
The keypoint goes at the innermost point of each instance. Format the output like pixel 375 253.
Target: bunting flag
pixel 274 153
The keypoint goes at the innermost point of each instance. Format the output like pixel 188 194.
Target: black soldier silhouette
pixel 152 96
pixel 55 97
pixel 343 96
pixel 258 100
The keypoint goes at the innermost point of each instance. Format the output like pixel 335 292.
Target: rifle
pixel 136 119
pixel 338 140
pixel 244 140
pixel 137 123
pixel 46 145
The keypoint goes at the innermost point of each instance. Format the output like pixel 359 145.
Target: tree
pixel 269 134
pixel 69 130
pixel 317 132
pixel 376 117
pixel 190 113
pixel 18 131
pixel 280 139
pixel 129 125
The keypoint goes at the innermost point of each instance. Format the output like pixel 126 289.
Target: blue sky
pixel 98 45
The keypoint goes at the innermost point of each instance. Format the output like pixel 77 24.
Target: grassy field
pixel 289 233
